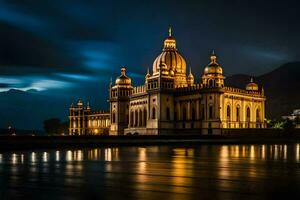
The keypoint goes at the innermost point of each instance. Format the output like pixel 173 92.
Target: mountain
pixel 282 88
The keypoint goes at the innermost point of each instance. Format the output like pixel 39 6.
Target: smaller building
pixel 83 121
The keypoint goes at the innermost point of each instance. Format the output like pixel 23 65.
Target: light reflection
pixel 45 157
pixel 275 152
pixel 252 152
pixel 14 159
pixel 22 158
pixel 297 152
pixel 79 155
pixel 107 154
pixel 285 152
pixel 263 151
pixel 69 156
pixel 33 157
pixel 57 156
pixel 181 170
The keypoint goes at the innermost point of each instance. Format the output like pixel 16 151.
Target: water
pixel 155 172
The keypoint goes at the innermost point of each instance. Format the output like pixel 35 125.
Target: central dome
pixel 174 63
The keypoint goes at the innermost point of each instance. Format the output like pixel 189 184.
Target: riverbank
pixel 36 142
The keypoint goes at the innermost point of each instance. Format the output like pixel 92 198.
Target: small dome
pixel 213 67
pixel 123 79
pixel 252 86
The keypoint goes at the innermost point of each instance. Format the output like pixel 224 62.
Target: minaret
pixel 190 78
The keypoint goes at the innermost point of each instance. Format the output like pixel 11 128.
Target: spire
pixel 251 80
pixel 190 70
pixel 123 71
pixel 170 31
pixel 88 105
pixel 148 72
pixel 213 57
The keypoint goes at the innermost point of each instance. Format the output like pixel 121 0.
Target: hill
pixel 282 88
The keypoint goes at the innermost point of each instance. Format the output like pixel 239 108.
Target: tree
pixel 52 126
pixel 288 126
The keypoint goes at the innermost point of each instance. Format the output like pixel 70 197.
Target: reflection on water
pixel 172 172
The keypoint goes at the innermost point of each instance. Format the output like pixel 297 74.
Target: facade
pixel 171 102
pixel 85 122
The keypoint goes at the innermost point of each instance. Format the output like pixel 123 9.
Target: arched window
pixel 168 113
pixel 257 115
pixel 153 113
pixel 228 112
pixel 238 113
pixel 248 115
pixel 114 117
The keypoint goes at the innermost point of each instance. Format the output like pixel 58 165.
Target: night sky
pixel 73 48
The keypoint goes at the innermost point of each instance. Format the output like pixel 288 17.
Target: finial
pixel 123 70
pixel 213 56
pixel 170 31
pixel 148 72
pixel 190 70
pixel 251 80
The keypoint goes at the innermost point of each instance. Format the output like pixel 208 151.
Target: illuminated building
pixel 85 122
pixel 170 101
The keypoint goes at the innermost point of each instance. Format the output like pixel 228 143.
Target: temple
pixel 171 102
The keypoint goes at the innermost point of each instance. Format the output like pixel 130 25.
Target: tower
pixel 119 103
pixel 213 82
pixel 213 73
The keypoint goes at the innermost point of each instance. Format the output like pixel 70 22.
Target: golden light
pixel 57 156
pixel 33 157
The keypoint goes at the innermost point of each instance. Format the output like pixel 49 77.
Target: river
pixel 153 172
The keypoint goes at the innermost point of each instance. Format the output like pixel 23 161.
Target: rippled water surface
pixel 154 172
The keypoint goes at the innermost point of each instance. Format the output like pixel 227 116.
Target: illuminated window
pixel 248 114
pixel 228 112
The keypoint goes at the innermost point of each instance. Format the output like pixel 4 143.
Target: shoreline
pixel 43 142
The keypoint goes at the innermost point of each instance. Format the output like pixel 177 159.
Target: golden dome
pixel 175 63
pixel 252 86
pixel 123 79
pixel 213 67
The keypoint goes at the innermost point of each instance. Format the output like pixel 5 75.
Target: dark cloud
pixel 73 48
